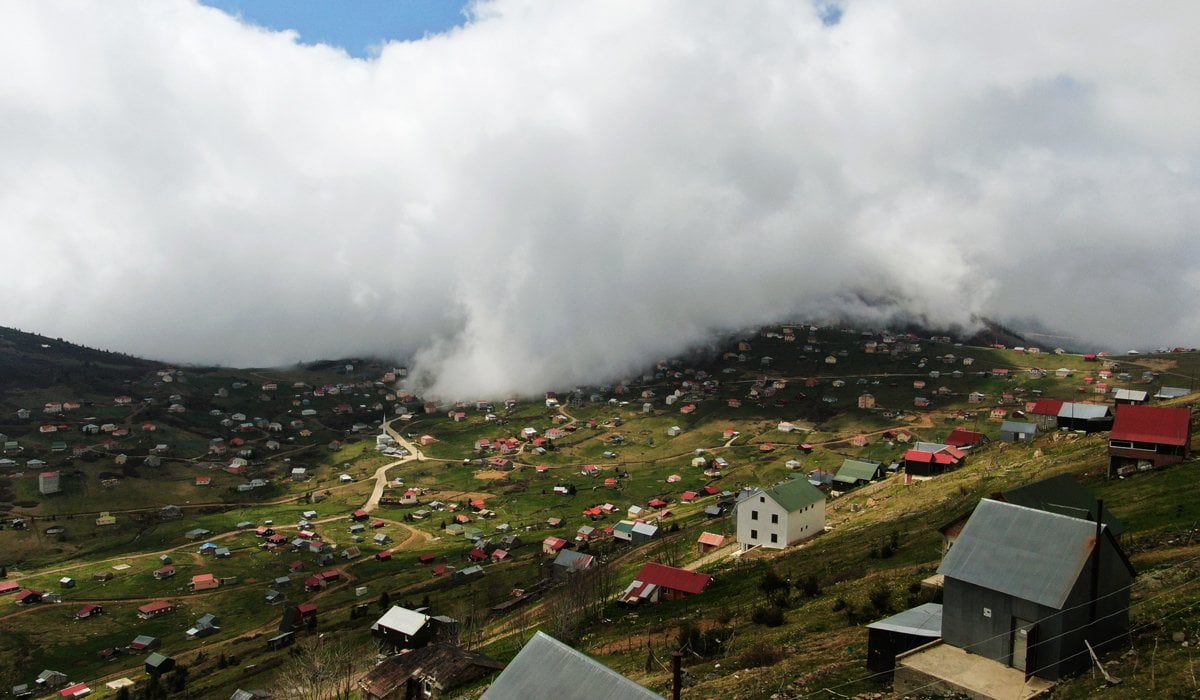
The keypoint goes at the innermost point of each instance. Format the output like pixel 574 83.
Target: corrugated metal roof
pixel 547 668
pixel 1084 411
pixel 923 621
pixel 1167 426
pixel 673 578
pixel 1026 553
pixel 856 470
pixel 402 620
pixel 1014 426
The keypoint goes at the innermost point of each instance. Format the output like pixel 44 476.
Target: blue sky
pixel 356 25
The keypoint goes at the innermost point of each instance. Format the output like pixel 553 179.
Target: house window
pixel 754 515
pixel 774 538
pixel 762 499
pixel 754 534
pixel 774 518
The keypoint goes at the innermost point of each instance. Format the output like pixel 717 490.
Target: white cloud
pixel 561 192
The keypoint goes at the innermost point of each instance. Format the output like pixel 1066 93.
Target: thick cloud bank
pixel 559 192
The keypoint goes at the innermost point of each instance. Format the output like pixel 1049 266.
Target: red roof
pixel 961 437
pixel 9 586
pixel 918 456
pixel 1164 426
pixel 477 554
pixel 307 608
pixel 77 690
pixel 688 496
pixel 673 579
pixel 426 558
pixel 554 543
pixel 156 606
pixel 1047 407
pixel 656 503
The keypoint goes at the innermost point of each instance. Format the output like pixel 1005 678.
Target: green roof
pixel 795 494
pixel 854 470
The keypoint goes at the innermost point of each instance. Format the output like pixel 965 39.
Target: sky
pixel 539 194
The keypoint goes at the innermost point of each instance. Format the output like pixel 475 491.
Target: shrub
pixel 760 655
pixel 809 586
pixel 769 616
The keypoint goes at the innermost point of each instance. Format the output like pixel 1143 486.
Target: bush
pixel 881 597
pixel 769 616
pixel 760 655
pixel 809 586
pixel 839 604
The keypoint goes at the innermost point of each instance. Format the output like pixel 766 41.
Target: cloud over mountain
pixel 560 192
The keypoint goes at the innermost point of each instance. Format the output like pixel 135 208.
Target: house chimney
pixel 676 675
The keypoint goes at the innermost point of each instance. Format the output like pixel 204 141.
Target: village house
pixel 158 607
pixel 208 624
pixel 1017 431
pixel 401 628
pixel 204 582
pixel 570 561
pixel 1025 588
pixel 857 472
pixel 781 515
pixel 429 672
pixel 1148 437
pixel 928 459
pixel 658 582
pixel 965 439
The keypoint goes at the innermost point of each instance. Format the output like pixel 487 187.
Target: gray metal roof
pixel 550 670
pixel 923 621
pixel 1014 426
pixel 1171 392
pixel 1026 553
pixel 1064 495
pixel 1084 411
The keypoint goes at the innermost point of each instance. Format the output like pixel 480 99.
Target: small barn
pixel 901 632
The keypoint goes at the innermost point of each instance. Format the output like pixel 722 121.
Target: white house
pixel 781 515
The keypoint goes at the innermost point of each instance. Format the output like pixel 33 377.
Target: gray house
pixel 207 624
pixel 1017 431
pixel 1026 587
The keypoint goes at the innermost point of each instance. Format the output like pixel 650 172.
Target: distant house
pixel 158 607
pixel 547 668
pixel 428 672
pixel 658 582
pixel 1017 431
pixel 1148 437
pixel 857 472
pixel 208 624
pixel 144 642
pixel 1130 396
pixel 569 562
pixel 1088 417
pixel 932 459
pixel 158 664
pixel 1025 587
pixel 204 582
pixel 401 628
pixel 781 515
pixel 89 610
pixel 965 439
pixel 708 541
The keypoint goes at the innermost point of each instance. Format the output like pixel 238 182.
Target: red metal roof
pixel 154 607
pixel 918 456
pixel 1154 424
pixel 674 579
pixel 1047 407
pixel 961 437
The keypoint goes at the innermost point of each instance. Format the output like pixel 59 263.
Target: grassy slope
pixel 823 646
